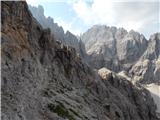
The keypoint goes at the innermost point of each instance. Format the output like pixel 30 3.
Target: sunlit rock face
pixel 148 67
pixel 43 79
pixel 119 50
pixel 113 48
pixel 153 49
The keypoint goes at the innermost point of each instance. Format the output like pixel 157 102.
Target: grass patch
pixel 61 111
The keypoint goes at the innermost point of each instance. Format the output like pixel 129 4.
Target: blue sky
pixel 79 15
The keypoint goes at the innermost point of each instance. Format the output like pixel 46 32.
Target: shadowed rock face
pixel 47 22
pixel 43 79
pixel 66 38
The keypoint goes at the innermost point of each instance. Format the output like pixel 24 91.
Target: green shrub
pixel 61 111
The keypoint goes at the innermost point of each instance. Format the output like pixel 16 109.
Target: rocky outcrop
pixel 43 79
pixel 120 82
pixel 147 69
pixel 105 73
pixel 153 49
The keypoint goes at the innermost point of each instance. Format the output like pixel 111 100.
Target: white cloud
pixel 83 11
pixel 68 26
pixel 128 25
pixel 99 12
pixel 140 15
pixel 129 14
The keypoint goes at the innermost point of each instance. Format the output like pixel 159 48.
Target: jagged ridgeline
pixel 119 50
pixel 42 79
pixel 66 38
pixel 111 47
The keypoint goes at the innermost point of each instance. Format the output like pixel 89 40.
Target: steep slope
pixel 113 48
pixel 43 79
pixel 66 38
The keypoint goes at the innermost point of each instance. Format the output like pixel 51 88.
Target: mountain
pixel 127 53
pixel 43 79
pixel 66 38
pixel 113 48
pixel 119 50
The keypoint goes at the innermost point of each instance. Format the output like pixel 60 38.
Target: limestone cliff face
pixel 119 50
pixel 43 79
pixel 153 49
pixel 113 48
pixel 147 69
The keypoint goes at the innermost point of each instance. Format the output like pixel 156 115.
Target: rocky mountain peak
pixel 136 36
pixel 114 48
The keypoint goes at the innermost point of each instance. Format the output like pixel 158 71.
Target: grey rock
pixel 131 47
pixel 147 69
pixel 153 49
pixel 113 48
pixel 43 79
